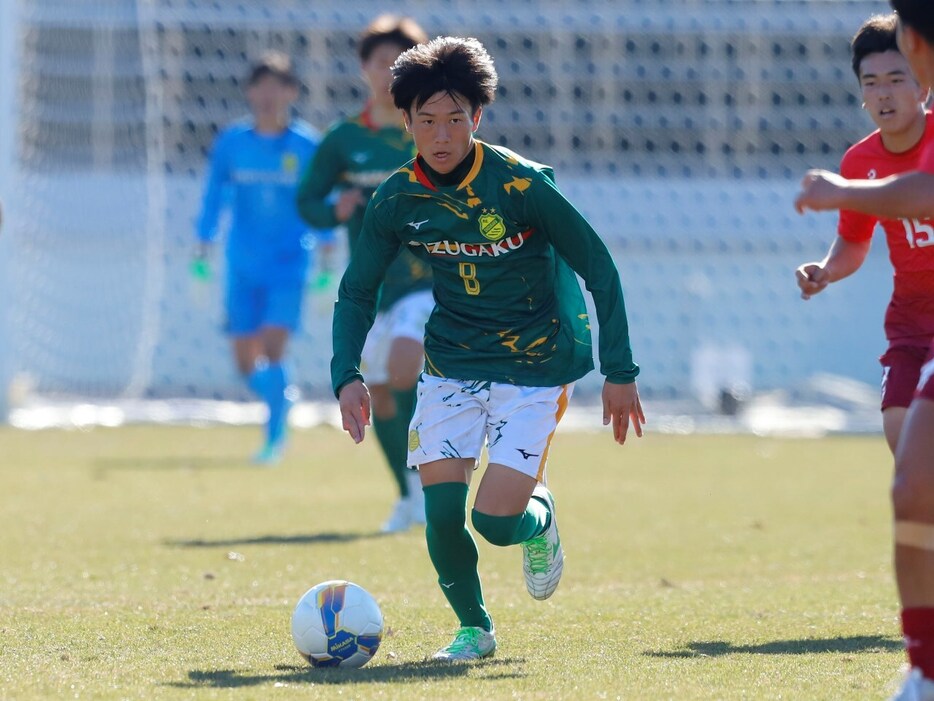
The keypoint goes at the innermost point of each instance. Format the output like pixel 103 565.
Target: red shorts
pixel 901 370
pixel 926 383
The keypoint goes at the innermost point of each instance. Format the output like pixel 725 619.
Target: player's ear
pixel 407 120
pixel 476 119
pixel 924 95
pixel 907 39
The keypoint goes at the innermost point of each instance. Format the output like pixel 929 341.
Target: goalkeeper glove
pixel 201 270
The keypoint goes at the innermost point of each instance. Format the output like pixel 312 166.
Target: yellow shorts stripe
pixel 562 407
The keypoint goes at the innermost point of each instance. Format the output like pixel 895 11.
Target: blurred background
pixel 679 128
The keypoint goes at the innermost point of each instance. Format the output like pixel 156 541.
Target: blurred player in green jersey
pixel 508 337
pixel 355 156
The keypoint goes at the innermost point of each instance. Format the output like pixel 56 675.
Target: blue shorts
pixel 252 305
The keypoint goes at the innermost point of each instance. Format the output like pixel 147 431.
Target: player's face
pixel 377 73
pixel 891 95
pixel 270 98
pixel 443 130
pixel 919 54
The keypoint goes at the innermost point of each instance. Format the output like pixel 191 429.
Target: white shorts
pixel 404 319
pixel 453 419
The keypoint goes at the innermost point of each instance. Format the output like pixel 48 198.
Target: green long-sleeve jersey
pixel 503 246
pixel 355 153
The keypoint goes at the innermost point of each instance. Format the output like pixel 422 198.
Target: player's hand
pixel 812 278
pixel 347 203
pixel 200 267
pixel 820 190
pixel 354 400
pixel 621 404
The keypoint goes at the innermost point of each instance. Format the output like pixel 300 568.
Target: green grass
pixel 705 567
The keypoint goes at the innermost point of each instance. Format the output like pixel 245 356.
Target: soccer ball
pixel 337 624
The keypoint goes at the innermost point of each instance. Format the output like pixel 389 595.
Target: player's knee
pixel 443 519
pixel 382 402
pixel 403 382
pixel 912 494
pixel 497 530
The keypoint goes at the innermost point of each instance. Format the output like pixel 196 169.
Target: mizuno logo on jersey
pixel 417 224
pixel 475 250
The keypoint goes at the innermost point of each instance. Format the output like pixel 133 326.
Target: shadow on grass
pixel 103 466
pixel 405 672
pixel 848 644
pixel 298 539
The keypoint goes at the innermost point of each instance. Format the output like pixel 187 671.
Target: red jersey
pixel 909 319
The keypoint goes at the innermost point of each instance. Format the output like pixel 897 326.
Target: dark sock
pixel 393 439
pixel 918 627
pixel 510 530
pixel 454 553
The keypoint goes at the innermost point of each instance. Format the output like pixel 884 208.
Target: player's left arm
pixel 217 181
pixel 576 241
pixel 906 195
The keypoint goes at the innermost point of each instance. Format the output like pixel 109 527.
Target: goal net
pixel 680 129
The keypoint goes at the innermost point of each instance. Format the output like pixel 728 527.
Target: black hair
pixel 275 64
pixel 452 65
pixel 875 36
pixel 917 14
pixel 403 32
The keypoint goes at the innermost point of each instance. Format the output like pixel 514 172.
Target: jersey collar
pixel 471 175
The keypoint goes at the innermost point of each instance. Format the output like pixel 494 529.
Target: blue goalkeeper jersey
pixel 256 176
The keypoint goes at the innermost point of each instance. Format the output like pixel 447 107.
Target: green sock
pixel 393 436
pixel 510 530
pixel 454 553
pixel 393 439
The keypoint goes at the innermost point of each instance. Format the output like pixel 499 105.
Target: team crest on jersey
pixel 289 162
pixel 492 225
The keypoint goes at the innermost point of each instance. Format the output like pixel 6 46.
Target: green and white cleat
pixel 470 643
pixel 916 687
pixel 543 556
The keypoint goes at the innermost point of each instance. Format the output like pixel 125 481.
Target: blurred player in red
pixel 904 196
pixel 895 102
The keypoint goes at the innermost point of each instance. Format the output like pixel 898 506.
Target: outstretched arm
pixel 907 195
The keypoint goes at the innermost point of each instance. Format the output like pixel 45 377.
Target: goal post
pixel 9 126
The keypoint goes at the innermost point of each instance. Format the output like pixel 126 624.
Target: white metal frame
pixel 9 128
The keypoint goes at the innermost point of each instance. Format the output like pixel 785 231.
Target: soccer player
pixel 909 196
pixel 254 169
pixel 895 102
pixel 507 339
pixel 355 156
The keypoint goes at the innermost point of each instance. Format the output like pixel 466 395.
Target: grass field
pixel 154 563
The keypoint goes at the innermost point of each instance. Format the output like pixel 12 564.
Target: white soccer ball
pixel 337 624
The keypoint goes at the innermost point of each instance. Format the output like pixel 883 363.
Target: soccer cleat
pixel 470 643
pixel 916 687
pixel 543 556
pixel 401 517
pixel 269 455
